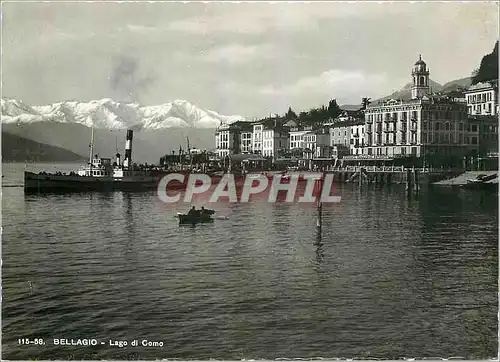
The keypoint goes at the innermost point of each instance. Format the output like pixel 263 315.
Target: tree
pixel 290 114
pixel 315 115
pixel 304 116
pixel 333 110
pixel 488 70
pixel 365 102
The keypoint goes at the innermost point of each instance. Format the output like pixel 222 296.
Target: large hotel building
pixel 422 126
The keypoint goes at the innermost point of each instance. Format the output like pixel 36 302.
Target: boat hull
pixel 40 183
pixel 185 219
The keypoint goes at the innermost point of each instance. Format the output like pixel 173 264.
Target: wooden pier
pixel 411 177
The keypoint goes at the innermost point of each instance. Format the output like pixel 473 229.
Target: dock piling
pixel 319 209
pixel 408 180
pixel 416 180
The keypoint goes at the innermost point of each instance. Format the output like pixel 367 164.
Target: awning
pixel 368 158
pixel 247 157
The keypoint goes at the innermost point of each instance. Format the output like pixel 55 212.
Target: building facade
pixel 224 141
pixel 317 144
pixel 269 140
pixel 357 138
pixel 296 136
pixel 273 141
pixel 418 128
pixel 425 127
pixel 233 138
pixel 482 99
pixel 487 134
pixel 246 142
pixel 258 128
pixel 340 134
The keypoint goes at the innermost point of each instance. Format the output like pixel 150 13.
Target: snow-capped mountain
pixel 109 114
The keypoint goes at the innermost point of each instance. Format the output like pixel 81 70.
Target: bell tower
pixel 420 75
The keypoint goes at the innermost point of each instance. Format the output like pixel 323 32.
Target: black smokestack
pixel 128 148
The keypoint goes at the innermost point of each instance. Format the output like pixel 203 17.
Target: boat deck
pixel 470 175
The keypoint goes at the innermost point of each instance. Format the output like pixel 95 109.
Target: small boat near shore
pixel 194 217
pixel 482 182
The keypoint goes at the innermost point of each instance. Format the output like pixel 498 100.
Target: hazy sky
pixel 250 59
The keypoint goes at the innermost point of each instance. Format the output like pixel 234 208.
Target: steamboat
pixel 100 174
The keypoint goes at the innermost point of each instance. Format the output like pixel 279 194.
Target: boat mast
pixel 91 145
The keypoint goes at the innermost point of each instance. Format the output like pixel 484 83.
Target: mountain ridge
pixel 109 114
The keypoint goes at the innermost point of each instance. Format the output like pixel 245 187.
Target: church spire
pixel 420 75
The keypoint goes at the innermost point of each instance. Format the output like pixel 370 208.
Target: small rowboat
pixel 197 218
pixel 185 219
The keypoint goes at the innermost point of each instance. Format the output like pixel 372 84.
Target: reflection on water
pixel 389 276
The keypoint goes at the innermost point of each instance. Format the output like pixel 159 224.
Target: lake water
pixel 393 276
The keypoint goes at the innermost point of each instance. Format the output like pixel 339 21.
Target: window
pixel 474 128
